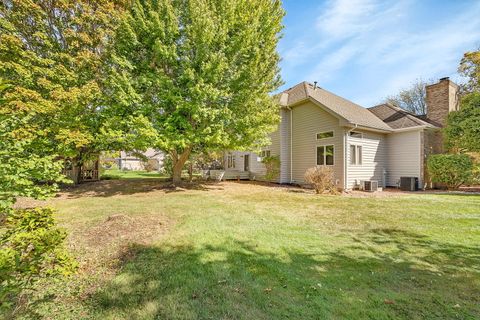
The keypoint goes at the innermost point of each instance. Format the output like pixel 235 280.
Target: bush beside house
pixel 452 170
pixel 322 179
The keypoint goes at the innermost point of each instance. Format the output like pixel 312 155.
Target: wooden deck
pixel 236 175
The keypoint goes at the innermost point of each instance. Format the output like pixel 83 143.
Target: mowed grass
pixel 247 251
pixel 132 174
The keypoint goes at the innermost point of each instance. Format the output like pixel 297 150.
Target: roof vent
pixel 314 85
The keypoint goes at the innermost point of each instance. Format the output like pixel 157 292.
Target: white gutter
pixel 416 128
pixel 345 158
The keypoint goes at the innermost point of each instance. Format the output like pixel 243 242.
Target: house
pixel 381 143
pixel 140 160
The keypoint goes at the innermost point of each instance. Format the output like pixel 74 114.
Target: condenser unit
pixel 409 183
pixel 369 185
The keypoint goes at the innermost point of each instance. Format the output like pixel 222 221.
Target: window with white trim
pixel 355 154
pixel 325 155
pixel 324 135
pixel 356 134
pixel 265 153
pixel 230 161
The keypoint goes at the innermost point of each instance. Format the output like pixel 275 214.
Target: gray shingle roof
pixel 344 108
pixel 397 118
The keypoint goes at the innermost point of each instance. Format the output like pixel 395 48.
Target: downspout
pixel 291 145
pixel 345 158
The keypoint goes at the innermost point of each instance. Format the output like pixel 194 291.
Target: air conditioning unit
pixel 369 185
pixel 409 183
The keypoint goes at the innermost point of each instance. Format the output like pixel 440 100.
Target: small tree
pixel 453 170
pixel 272 166
pixel 322 178
pixel 31 247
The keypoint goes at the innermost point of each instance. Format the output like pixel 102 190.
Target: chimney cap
pixel 445 79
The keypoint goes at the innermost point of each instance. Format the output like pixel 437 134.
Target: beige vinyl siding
pixel 257 168
pixel 404 156
pixel 284 146
pixel 309 119
pixel 374 158
pixel 238 160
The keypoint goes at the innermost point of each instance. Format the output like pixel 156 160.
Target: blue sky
pixel 365 50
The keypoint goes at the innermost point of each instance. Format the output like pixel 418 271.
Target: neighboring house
pixel 131 161
pixel 381 143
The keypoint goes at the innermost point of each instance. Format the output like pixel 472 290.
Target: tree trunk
pixel 190 172
pixel 178 164
pixel 77 165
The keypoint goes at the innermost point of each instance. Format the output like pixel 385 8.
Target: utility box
pixel 409 183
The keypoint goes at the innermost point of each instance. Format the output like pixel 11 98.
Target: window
pixel 325 155
pixel 324 135
pixel 355 154
pixel 265 153
pixel 355 134
pixel 230 161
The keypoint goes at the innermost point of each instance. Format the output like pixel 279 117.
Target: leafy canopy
pixel 201 71
pixel 470 68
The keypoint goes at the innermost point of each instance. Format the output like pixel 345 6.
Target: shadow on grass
pixel 386 274
pixel 109 188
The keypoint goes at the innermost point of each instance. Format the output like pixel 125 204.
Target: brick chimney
pixel 442 98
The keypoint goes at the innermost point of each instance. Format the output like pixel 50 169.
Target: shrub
pixel 453 170
pixel 272 165
pixel 476 174
pixel 167 167
pixel 150 165
pixel 322 178
pixel 31 247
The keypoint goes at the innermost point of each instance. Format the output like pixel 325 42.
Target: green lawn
pixel 131 174
pixel 246 251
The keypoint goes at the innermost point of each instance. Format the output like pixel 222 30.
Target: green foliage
pixel 56 57
pixel 167 167
pixel 272 165
pixel 462 133
pixel 26 169
pixel 476 173
pixel 31 247
pixel 470 68
pixel 201 71
pixel 453 170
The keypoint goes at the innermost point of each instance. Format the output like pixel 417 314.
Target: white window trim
pixel 324 156
pixel 356 164
pixel 332 131
pixel 231 161
pixel 265 153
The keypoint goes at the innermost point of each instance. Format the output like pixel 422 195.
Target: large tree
pixel 53 62
pixel 202 71
pixel 411 99
pixel 55 55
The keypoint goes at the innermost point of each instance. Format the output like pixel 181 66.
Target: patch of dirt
pixel 99 248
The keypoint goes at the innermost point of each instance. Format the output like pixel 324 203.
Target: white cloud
pixel 368 49
pixel 344 18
